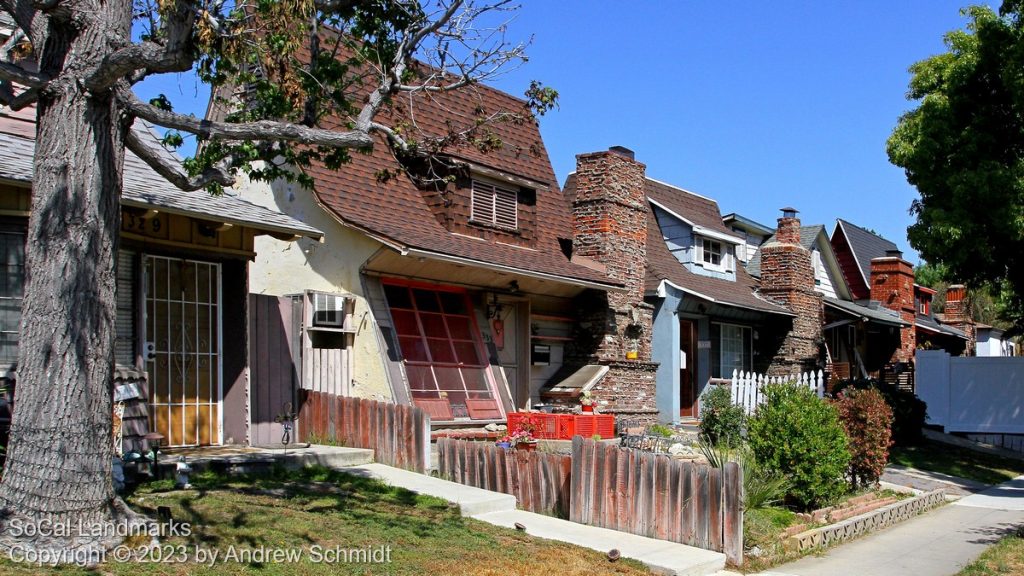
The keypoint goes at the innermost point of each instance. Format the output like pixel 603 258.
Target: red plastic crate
pixel 564 426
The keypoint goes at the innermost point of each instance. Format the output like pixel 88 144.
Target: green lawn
pixel 1006 557
pixel 956 461
pixel 300 510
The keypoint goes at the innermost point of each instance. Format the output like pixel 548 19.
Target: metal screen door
pixel 183 331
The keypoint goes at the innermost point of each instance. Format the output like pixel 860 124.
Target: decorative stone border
pixel 865 523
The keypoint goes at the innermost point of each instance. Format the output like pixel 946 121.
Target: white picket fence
pixel 748 387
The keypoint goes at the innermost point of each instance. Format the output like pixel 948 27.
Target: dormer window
pixel 711 253
pixel 494 206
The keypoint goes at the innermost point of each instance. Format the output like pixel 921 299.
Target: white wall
pixel 972 394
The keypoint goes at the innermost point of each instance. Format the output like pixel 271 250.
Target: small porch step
pixel 253 460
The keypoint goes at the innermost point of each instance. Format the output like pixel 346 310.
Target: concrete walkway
pixel 938 543
pixel 500 509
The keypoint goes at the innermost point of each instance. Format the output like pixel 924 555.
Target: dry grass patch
pixel 318 507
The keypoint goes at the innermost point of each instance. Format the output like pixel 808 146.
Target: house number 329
pixel 134 222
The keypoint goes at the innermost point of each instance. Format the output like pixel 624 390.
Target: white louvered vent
pixel 494 206
pixel 328 310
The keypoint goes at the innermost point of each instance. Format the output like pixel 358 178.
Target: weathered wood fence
pixel 399 435
pixel 601 484
pixel 538 480
pixel 656 496
pixel 748 387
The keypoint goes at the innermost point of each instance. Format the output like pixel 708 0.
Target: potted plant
pixel 505 442
pixel 522 438
pixel 586 402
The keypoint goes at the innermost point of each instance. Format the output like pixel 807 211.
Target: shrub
pixel 720 420
pixel 799 435
pixel 867 419
pixel 762 487
pixel 660 430
pixel 909 412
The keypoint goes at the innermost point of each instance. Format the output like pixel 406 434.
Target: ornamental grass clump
pixel 799 435
pixel 867 419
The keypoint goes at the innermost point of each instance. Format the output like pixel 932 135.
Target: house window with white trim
pixel 493 205
pixel 711 252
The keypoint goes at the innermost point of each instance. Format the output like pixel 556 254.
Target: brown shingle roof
pixel 694 207
pixel 662 265
pixel 396 211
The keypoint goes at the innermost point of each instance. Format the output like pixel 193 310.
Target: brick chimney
pixel 787 277
pixel 610 227
pixel 958 315
pixel 892 286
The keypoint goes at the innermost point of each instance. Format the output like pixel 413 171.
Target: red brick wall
pixel 787 277
pixel 610 227
pixel 958 315
pixel 892 285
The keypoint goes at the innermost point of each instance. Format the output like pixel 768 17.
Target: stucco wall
pixel 284 268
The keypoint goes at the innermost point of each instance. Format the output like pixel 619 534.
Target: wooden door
pixel 183 350
pixel 687 369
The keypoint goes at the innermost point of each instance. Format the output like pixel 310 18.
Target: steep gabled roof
pixel 396 212
pixel 662 265
pixel 864 245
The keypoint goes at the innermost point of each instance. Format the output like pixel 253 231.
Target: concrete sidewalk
pixel 500 509
pixel 938 543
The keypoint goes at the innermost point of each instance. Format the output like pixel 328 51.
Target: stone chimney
pixel 610 227
pixel 892 286
pixel 958 315
pixel 787 277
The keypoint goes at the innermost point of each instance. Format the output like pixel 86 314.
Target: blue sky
pixel 758 106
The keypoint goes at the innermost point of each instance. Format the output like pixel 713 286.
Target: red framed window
pixel 442 349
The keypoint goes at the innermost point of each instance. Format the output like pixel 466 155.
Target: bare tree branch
pixel 261 130
pixel 172 172
pixel 10 44
pixel 17 101
pixel 170 54
pixel 15 73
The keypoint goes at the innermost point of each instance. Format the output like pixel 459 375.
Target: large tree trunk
pixel 58 465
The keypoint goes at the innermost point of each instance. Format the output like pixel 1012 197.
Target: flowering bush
pixel 867 420
pixel 522 433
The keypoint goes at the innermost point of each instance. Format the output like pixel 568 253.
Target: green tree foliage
pixel 799 435
pixel 962 147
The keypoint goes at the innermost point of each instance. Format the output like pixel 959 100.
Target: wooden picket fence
pixel 748 387
pixel 604 485
pixel 538 480
pixel 399 435
pixel 656 496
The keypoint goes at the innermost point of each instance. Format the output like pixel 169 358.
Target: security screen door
pixel 183 357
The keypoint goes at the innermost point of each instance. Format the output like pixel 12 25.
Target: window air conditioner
pixel 328 310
